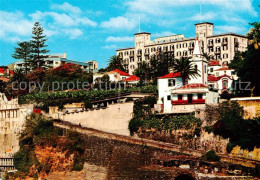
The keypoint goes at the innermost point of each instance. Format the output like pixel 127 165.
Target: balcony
pixel 131 55
pixel 146 54
pixel 139 54
pixel 210 45
pixel 185 102
pixel 191 47
pixel 236 44
pixel 225 43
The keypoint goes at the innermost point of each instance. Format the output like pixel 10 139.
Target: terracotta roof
pixel 193 86
pixel 4 79
pixel 132 78
pixel 2 70
pixel 170 75
pixel 212 78
pixel 214 63
pixel 122 73
pixel 223 68
pixel 225 75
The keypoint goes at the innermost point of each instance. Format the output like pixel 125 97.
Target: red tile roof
pixel 193 86
pixel 132 78
pixel 170 75
pixel 2 70
pixel 214 63
pixel 122 73
pixel 225 75
pixel 223 68
pixel 213 78
pixel 4 79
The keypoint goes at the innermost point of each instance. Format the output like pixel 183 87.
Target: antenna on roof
pixel 139 25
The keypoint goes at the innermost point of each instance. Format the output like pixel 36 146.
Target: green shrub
pixel 208 129
pixel 129 99
pixel 211 156
pixel 134 125
pixel 230 147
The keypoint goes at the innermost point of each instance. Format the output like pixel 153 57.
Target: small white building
pixel 132 80
pixel 114 76
pixel 179 98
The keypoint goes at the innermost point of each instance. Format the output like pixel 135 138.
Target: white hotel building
pixel 221 47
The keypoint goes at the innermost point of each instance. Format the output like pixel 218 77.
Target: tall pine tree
pixel 24 52
pixel 38 46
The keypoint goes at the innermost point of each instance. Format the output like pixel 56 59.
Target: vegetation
pixel 186 69
pixel 211 156
pixel 158 66
pixel 115 62
pixel 39 131
pixel 23 52
pixel 144 119
pixel 246 64
pixel 230 124
pixel 38 47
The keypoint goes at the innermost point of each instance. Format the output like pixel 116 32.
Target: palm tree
pixel 115 62
pixel 185 68
pixel 207 56
pixel 18 76
pixel 143 71
pixel 254 35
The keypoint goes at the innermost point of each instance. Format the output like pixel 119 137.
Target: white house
pixel 177 98
pixel 132 80
pixel 114 76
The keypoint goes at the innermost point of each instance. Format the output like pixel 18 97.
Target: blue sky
pixel 94 29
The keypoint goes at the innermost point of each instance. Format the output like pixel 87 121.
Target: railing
pixel 6 164
pixel 210 45
pixel 236 44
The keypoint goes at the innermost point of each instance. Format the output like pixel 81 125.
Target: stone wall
pixel 114 119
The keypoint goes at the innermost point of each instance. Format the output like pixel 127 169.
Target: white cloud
pixel 163 6
pixel 227 28
pixel 119 22
pixel 14 25
pixel 162 34
pixel 204 17
pixel 66 7
pixel 62 19
pixel 73 33
pixel 112 46
pixel 119 39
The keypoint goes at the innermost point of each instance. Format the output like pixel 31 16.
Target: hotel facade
pixel 221 47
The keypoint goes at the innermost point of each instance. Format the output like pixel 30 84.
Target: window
pixel 233 72
pixel 171 82
pixel 169 97
pixel 205 68
pixel 200 96
pixel 196 67
pixel 179 97
pixel 211 69
pixel 225 84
